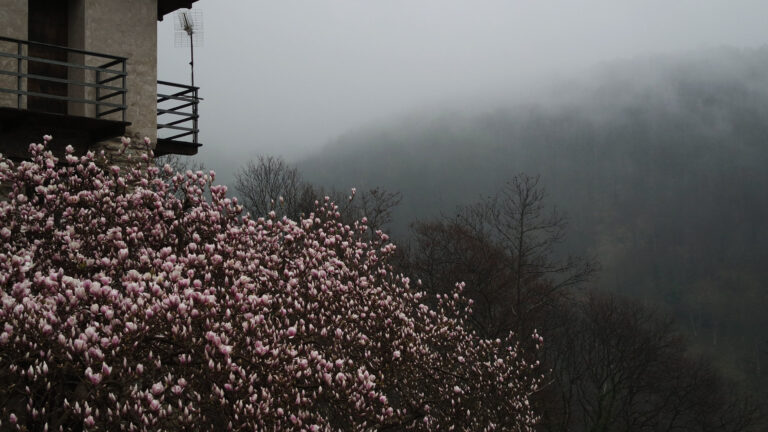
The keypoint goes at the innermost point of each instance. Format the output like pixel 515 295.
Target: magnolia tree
pixel 145 300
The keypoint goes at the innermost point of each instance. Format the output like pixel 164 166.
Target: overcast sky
pixel 286 76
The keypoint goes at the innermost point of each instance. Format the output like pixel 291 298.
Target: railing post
pixel 125 90
pixel 98 94
pixel 18 76
pixel 194 117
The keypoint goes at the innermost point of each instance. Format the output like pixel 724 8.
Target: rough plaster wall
pixel 128 29
pixel 13 24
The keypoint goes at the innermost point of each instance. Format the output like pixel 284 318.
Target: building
pixel 85 71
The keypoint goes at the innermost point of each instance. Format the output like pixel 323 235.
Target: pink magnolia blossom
pixel 150 280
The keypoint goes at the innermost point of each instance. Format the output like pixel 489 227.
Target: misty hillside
pixel 660 163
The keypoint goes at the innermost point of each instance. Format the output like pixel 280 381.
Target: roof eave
pixel 164 7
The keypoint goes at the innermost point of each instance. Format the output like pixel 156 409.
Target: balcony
pixel 80 97
pixel 177 119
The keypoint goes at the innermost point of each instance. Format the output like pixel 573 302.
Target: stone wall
pixel 13 24
pixel 128 29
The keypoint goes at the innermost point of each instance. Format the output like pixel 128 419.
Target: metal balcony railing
pixel 177 112
pixel 47 75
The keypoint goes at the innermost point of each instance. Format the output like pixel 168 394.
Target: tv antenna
pixel 189 32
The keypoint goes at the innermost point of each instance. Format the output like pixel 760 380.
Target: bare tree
pixel 269 183
pixel 374 204
pixel 618 366
pixel 445 252
pixel 179 163
pixel 529 230
pixel 504 248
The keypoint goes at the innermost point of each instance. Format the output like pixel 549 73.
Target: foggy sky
pixel 285 76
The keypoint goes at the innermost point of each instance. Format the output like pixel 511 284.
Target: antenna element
pixel 189 32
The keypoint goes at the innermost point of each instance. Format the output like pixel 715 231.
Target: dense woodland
pixel 622 216
pixel 611 363
pixel 656 169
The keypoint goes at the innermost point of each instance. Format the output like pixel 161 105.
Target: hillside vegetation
pixel 659 163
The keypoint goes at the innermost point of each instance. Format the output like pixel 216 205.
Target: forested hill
pixel 661 165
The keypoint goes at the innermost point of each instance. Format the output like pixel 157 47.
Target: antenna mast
pixel 189 30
